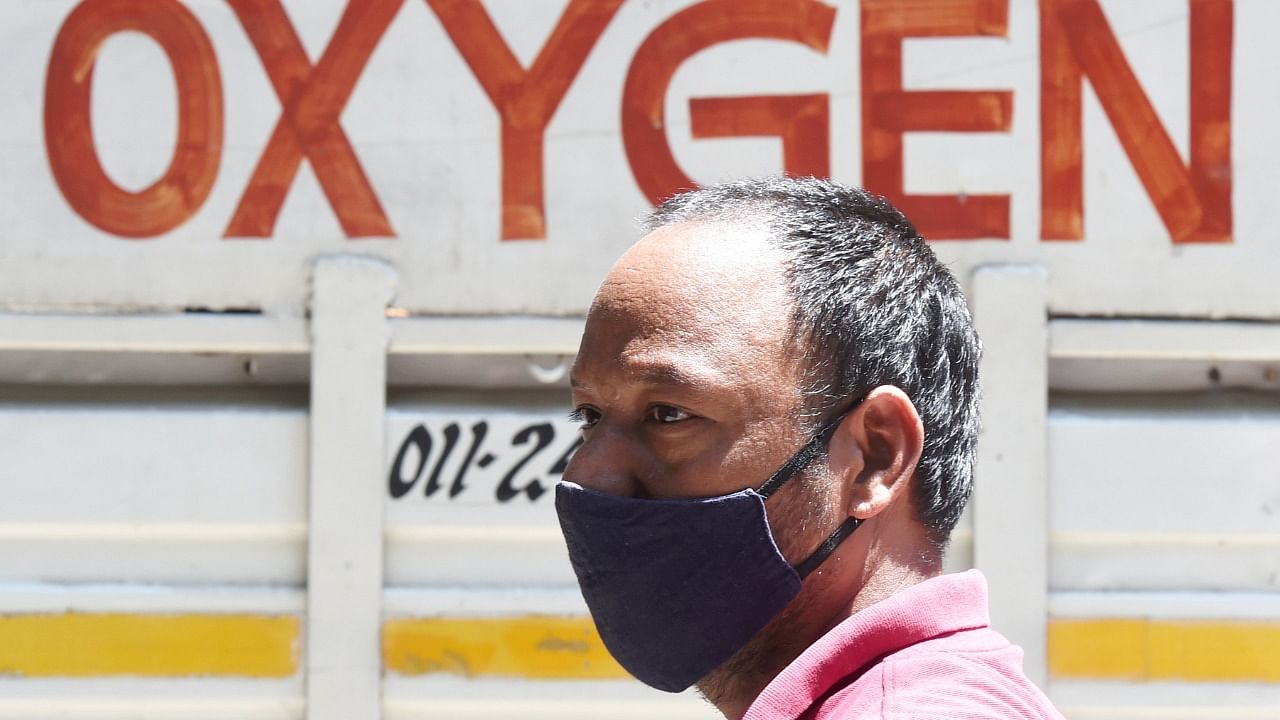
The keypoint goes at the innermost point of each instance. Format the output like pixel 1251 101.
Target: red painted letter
pixel 68 132
pixel 801 121
pixel 697 28
pixel 312 99
pixel 1076 42
pixel 525 100
pixel 888 111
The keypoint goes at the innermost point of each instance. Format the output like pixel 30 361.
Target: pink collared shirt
pixel 926 652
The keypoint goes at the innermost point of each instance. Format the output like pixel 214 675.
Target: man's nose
pixel 605 463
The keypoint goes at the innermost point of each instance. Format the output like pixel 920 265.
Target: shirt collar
pixel 937 606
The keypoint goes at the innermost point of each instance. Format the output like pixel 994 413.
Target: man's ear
pixel 875 451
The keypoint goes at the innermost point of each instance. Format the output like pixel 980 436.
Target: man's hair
pixel 874 306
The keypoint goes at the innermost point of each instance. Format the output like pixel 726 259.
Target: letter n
pixel 1193 201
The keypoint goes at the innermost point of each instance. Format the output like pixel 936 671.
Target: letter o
pixel 68 132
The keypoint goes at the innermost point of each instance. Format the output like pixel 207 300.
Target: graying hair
pixel 874 306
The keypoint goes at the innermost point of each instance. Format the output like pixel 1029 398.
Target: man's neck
pixel 735 685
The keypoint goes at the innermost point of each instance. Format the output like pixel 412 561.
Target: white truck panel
pixel 158 513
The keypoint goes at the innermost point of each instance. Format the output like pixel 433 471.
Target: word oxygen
pixel 1193 199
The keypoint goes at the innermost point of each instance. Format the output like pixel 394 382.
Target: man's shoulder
pixel 974 684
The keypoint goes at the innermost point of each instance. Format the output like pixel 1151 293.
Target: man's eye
pixel 586 417
pixel 668 414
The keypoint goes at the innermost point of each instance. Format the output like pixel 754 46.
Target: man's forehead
pixel 684 366
pixel 705 245
pixel 714 291
pixel 699 267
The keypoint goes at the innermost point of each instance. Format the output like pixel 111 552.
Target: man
pixel 778 389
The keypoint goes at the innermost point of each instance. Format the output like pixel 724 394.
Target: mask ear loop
pixel 800 461
pixel 827 547
pixel 806 454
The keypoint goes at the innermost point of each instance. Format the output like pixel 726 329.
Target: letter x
pixel 312 99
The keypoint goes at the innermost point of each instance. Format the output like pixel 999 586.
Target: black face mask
pixel 676 587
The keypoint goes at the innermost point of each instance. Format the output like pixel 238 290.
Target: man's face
pixel 689 376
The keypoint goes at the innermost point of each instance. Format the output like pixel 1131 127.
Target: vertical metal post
pixel 1011 498
pixel 344 555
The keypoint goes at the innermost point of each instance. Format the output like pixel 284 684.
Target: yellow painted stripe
pixel 568 648
pixel 562 648
pixel 533 647
pixel 105 644
pixel 1215 651
pixel 1186 650
pixel 1111 649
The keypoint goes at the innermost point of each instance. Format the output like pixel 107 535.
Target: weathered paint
pixel 1145 650
pixel 435 131
pixel 532 647
pixel 536 647
pixel 157 645
pixel 568 648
